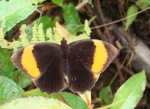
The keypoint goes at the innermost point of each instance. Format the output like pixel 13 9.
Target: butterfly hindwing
pixel 52 80
pixel 80 78
pixel 42 62
pixel 86 60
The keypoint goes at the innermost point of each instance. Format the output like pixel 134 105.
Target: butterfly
pixel 78 63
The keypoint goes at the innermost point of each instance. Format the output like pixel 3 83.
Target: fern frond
pixel 15 45
pixel 34 33
pixel 23 36
pixel 50 35
pixel 3 43
pixel 40 35
pixel 87 32
pixel 87 28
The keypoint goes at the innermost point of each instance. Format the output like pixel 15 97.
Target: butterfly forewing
pixel 42 63
pixel 86 60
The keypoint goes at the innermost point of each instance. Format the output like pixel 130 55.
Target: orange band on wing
pixel 100 56
pixel 96 75
pixel 29 63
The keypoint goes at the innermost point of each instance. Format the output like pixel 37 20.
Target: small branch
pixel 103 21
pixel 81 5
pixel 120 19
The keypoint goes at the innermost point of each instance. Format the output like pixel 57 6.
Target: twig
pixel 120 19
pixel 81 5
pixel 89 13
pixel 103 21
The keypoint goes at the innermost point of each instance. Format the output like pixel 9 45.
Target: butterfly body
pixel 80 61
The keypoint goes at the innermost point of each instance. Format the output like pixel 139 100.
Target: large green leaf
pixel 35 103
pixel 131 92
pixel 9 89
pixel 15 11
pixel 72 19
pixel 70 14
pixel 74 101
pixel 131 11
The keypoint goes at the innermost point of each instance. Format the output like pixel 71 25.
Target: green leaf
pixel 130 13
pixel 6 65
pixel 74 101
pixel 87 28
pixel 23 80
pixel 104 95
pixel 15 11
pixel 35 92
pixel 72 19
pixel 75 28
pixel 9 90
pixel 86 33
pixel 20 78
pixel 70 14
pixel 131 92
pixel 35 103
pixel 7 69
pixel 48 22
pixel 58 2
pixel 143 4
